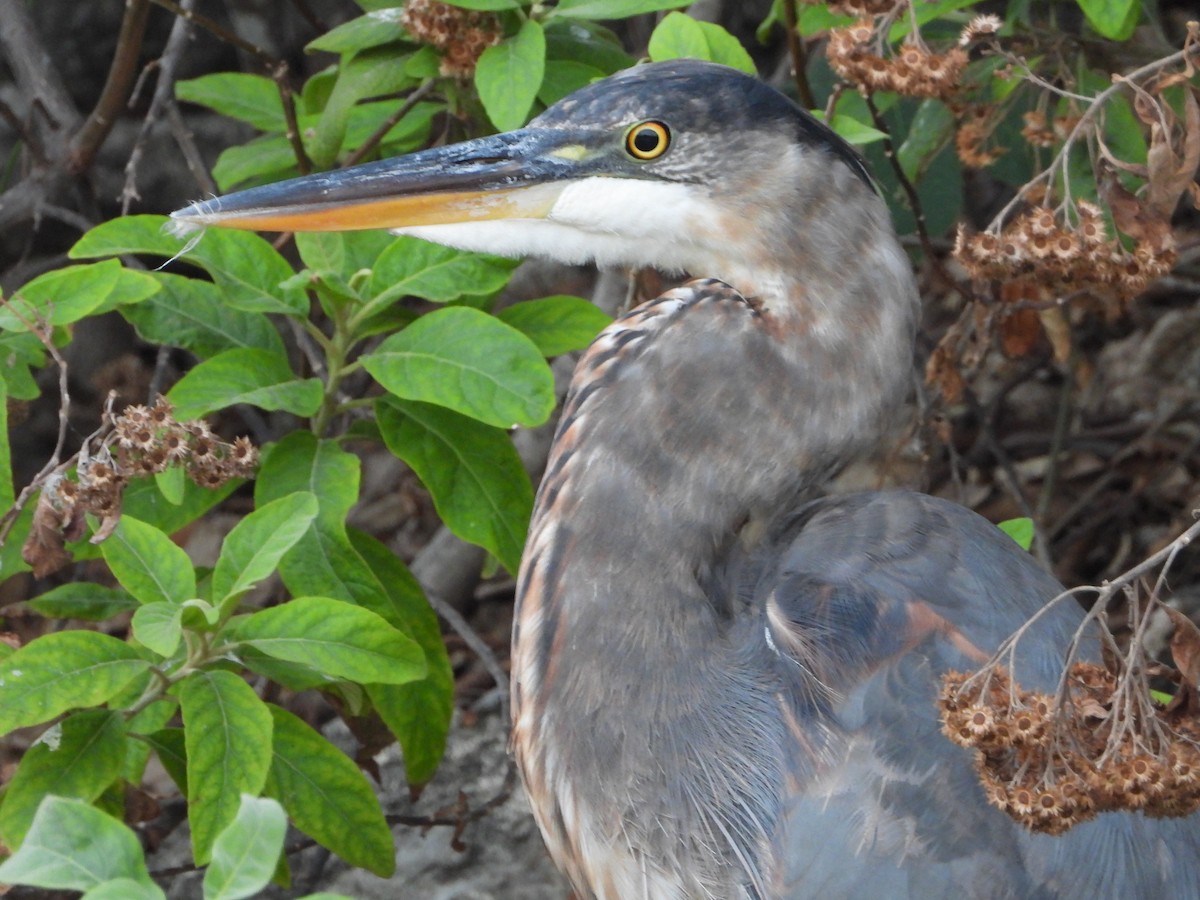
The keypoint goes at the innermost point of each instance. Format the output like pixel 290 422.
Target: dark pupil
pixel 646 140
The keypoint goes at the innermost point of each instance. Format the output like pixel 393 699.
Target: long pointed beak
pixel 506 176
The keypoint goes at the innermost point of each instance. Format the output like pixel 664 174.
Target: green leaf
pixel 169 745
pixel 260 161
pixel 78 758
pixel 380 26
pixel 678 36
pixel 246 268
pixel 336 638
pixel 137 750
pixel 327 796
pixel 470 362
pixel 558 324
pixel 472 471
pixel 124 889
pixel 369 73
pixel 170 483
pixel 323 562
pixel 73 847
pixel 247 851
pixel 253 548
pixel 1113 19
pixel 61 671
pixel 612 9
pixel 418 713
pixel 585 42
pixel 508 75
pixel 256 377
pixel 248 98
pixel 7 497
pixel 1020 530
pixel 18 354
pixel 932 127
pixel 411 266
pixel 227 732
pixel 66 295
pixel 564 77
pixel 485 5
pixel 192 314
pixel 82 600
pixel 149 564
pixel 157 626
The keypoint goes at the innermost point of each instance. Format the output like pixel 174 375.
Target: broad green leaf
pixel 411 266
pixel 254 99
pixel 74 847
pixel 246 853
pixel 302 462
pixel 472 471
pixel 124 889
pixel 337 638
pixel 380 26
pixel 585 42
pixel 260 161
pixel 327 796
pixel 253 548
pixel 148 564
pixel 61 671
pixel 170 483
pixel 192 314
pixel 470 362
pixel 932 127
pixel 246 268
pixel 369 73
pixel 558 324
pixel 418 713
pixel 613 9
pixel 79 758
pixel 256 377
pixel 322 562
pixel 6 481
pixel 565 76
pixel 227 732
pixel 1113 19
pixel 19 353
pixel 485 5
pixel 508 75
pixel 157 626
pixel 1020 530
pixel 854 131
pixel 169 745
pixel 82 600
pixel 66 295
pixel 137 750
pixel 679 36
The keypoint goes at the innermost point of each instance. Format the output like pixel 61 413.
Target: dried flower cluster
pixel 141 441
pixel 1051 768
pixel 1040 133
pixel 863 8
pixel 459 35
pixel 975 124
pixel 914 71
pixel 1062 259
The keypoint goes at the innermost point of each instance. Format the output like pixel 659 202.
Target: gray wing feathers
pixel 880 594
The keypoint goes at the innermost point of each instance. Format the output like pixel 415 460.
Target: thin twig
pixel 164 90
pixel 418 94
pixel 796 54
pixel 86 142
pixel 219 31
pixel 1085 123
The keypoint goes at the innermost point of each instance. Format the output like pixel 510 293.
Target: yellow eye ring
pixel 647 140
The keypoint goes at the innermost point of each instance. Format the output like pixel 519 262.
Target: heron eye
pixel 647 140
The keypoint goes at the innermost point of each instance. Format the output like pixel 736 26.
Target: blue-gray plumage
pixel 722 687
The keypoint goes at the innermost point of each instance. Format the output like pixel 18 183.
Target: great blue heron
pixel 722 687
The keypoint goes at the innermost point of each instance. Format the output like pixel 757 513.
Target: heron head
pixel 672 164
